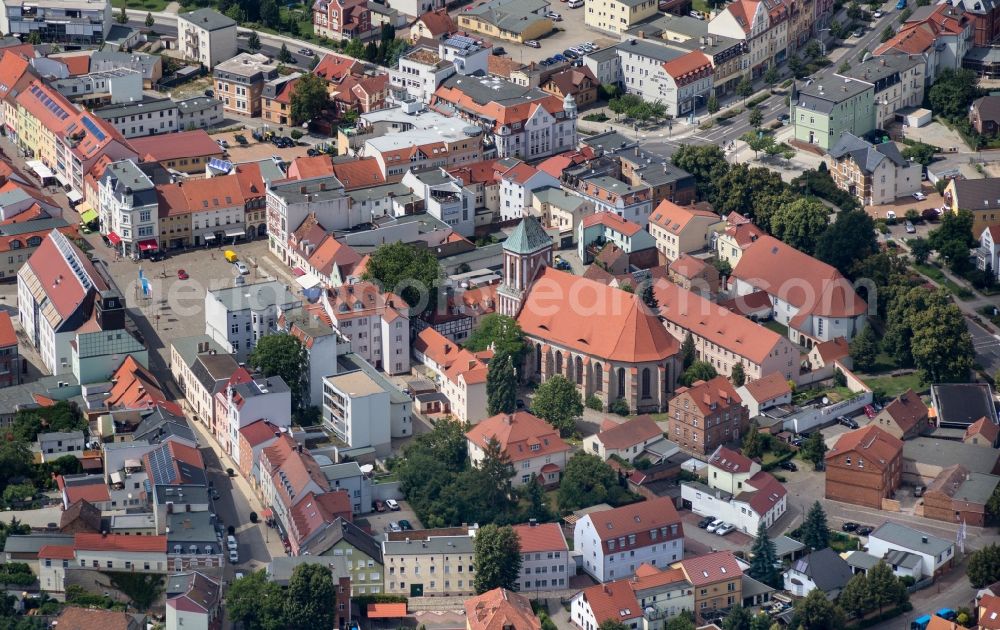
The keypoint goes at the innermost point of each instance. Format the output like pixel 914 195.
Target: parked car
pixel 394 527
pixel 241 139
pixel 918 491
pixel 890 214
pixel 558 57
pixel 849 526
pixel 696 15
pixel 725 529
pixel 241 268
pixel 714 525
pixel 182 275
pixel 575 4
pixel 705 522
pixel 379 506
pixel 234 557
pixel 405 525
pixel 864 530
pixel 850 423
pixel 570 54
pixel 231 543
pixel 306 52
pixel 788 465
pixel 222 143
pixel 877 15
pixel 499 51
pixel 555 17
pixel 392 504
pixel 532 43
pixel 919 196
pixel 783 119
pixel 871 411
pixel 859 32
pixel 910 228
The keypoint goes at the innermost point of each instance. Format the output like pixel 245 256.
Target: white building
pixel 120 85
pixel 128 207
pixel 764 393
pixel 246 400
pixel 206 36
pixel 237 317
pixel 69 21
pixel 532 445
pixel 469 55
pixel 194 601
pixel 874 174
pixel 349 477
pixel 517 186
pixel 421 71
pixel 627 440
pixel 289 203
pixel 142 117
pixel 937 555
pixel 52 446
pixel 356 409
pixel 376 324
pixel 444 198
pixel 199 112
pixel 988 254
pixel 615 542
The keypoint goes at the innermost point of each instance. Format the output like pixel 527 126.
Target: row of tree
pixel 256 603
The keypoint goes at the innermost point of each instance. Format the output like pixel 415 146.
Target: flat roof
pixel 944 453
pixel 355 384
pixel 960 404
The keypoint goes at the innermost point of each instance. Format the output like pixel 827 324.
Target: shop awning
pixel 113 238
pixel 39 169
pixel 235 232
pixel 148 245
pixel 62 179
pixel 298 271
pixel 267 513
pixel 308 281
pixel 74 196
pixel 88 215
pixel 209 237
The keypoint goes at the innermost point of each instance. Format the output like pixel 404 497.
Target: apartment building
pixel 276 99
pixel 681 230
pixel 536 452
pixel 10 360
pixel 717 580
pixel 439 566
pixel 206 36
pixel 827 107
pixel 290 202
pixel 617 17
pixel 977 196
pixel 376 324
pixel 864 467
pixel 128 208
pixel 517 185
pixel 874 174
pixel 749 21
pixel 617 541
pixel 545 559
pixel 247 399
pixel 607 194
pixel 58 21
pixel 19 240
pixel 356 407
pixel 143 117
pixel 186 151
pixel 460 374
pixel 199 112
pixel 600 229
pixel 706 415
pixel 237 317
pixel 688 83
pixel 445 198
pixel 897 81
pixel 646 602
pixel 421 71
pixel 239 82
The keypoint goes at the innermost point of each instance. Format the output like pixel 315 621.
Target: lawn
pixel 892 386
pixel 777 327
pixel 700 5
pixel 938 276
pixel 148 5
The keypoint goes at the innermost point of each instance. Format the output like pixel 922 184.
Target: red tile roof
pixel 119 542
pixel 833 350
pixel 453 359
pixel 521 435
pixel 744 12
pixel 500 609
pixel 59 281
pixel 612 221
pixel 907 410
pixel 607 323
pixel 688 67
pixel 613 601
pixel 767 492
pixel 984 427
pixel 639 519
pixel 710 568
pixel 74 618
pixel 989 612
pixel 7 335
pixel 259 432
pixel 629 433
pixel 172 146
pixel 386 611
pixel 313 511
pixel 710 396
pixel 541 537
pixel 730 461
pixel 768 388
pixel 134 387
pixel 359 173
pixel 57 552
pixel 334 67
pixel 687 266
pixel 96 492
pixel 648 576
pixel 438 22
pixel 874 445
pixel 306 167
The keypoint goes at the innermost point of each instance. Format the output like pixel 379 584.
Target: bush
pixel 598 117
pixel 619 407
pixel 593 402
pixel 296 134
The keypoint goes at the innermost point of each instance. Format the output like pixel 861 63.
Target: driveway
pixel 698 541
pixel 379 521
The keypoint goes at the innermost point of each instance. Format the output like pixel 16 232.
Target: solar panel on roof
pixel 94 129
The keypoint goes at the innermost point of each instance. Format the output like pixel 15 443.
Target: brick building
pixel 959 495
pixel 864 467
pixel 705 415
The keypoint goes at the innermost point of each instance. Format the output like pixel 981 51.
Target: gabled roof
pixel 177 145
pixel 521 436
pixel 989 612
pixel 906 410
pixel 334 67
pixel 119 542
pixel 612 221
pixel 438 22
pixel 635 518
pixel 827 570
pixel 358 173
pixel 911 539
pixel 74 618
pixel 500 609
pixel 984 427
pixel 730 461
pixel 63 280
pixel 629 433
pixel 988 107
pixel 83 511
pixel 259 432
pixel 7 335
pixel 614 601
pixel 709 396
pixel 710 568
pixel 541 537
pixel 769 387
pixel 200 595
pixel 874 445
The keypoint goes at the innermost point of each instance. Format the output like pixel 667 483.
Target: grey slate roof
pixel 126 178
pixel 37 225
pixel 348 532
pixel 31 543
pixel 145 106
pixel 433 545
pixel 912 539
pixel 878 68
pixel 905 559
pixel 162 424
pixel 528 237
pixel 988 106
pixel 937 452
pixel 823 94
pixel 208 19
pixel 825 568
pixel 861 560
pixel 280 569
pixel 214 370
pixel 559 198
pixel 512 16
pixel 649 48
pixel 975 194
pixel 187 347
pixel 866 155
pixel 608 142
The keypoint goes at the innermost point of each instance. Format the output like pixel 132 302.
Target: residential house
pixel 984 116
pixel 617 17
pixel 436 565
pixel 738 234
pixel 290 202
pixel 682 229
pixel 78 618
pixel 143 116
pixel 898 82
pixel 342 20
pixel 356 407
pixel 557 208
pixel 627 440
pixel 436 24
pixel 957 494
pixel 545 557
pixel 254 438
pixel 199 112
pixel 615 542
pixel 19 239
pixel 603 228
pixel 762 27
pixel 184 151
pixel 128 208
pixel 245 400
pixel 940 35
pixel 937 555
pixel 533 446
pixel 580 83
pixel 517 186
pixel 276 99
pixel 982 432
pixel 864 467
pixel 978 196
pixel 828 107
pixel 59 21
pixel 239 82
pixel 362 553
pixel 633 203
pixel 988 253
pixel 500 608
pixel 822 569
pixel 874 174
pixel 694 274
pixel 706 415
pixel 194 601
pixel 644 602
pixel 236 318
pixel 376 324
pixel 460 374
pixel 764 393
pixel 512 20
pixel 640 168
pixel 10 359
pixel 905 417
pixel 55 444
pixel 737 491
pixel 717 579
pixel 445 198
pixel 206 36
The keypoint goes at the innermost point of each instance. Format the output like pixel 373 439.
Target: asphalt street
pixel 987 346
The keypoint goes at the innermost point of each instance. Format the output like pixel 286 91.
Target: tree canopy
pixel 503 334
pixel 558 402
pixel 587 481
pixel 308 98
pixel 310 598
pixel 926 329
pixel 984 566
pixel 282 355
pixel 847 240
pixel 707 163
pixel 698 371
pixel 497 552
pixel 800 223
pixel 501 386
pixel 764 565
pixel 409 272
pixel 952 93
pixel 815 531
pixel 816 612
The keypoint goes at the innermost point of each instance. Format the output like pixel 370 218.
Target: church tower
pixel 527 250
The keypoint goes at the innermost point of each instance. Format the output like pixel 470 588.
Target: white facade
pixel 445 199
pixel 200 112
pixel 819 327
pixel 707 502
pixel 379 336
pixel 516 193
pixel 206 36
pixel 77 21
pixel 935 554
pixel 288 205
pixel 262 399
pixel 236 318
pixel 988 254
pixel 605 565
pixel 468 400
pixel 416 8
pixel 547 570
pixel 469 56
pixel 356 408
pixel 541 135
pixel 128 206
pixel 421 72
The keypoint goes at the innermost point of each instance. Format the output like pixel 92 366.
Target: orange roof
pixel 75 618
pixel 913 40
pixel 833 350
pixel 453 360
pixel 711 395
pixel 612 221
pixel 332 252
pixel 688 266
pixel 57 552
pixel 387 611
pixel 499 112
pixel 710 568
pixel 689 66
pixel 259 432
pixel 520 173
pixel 614 601
pixel 119 542
pixel 438 22
pixel 989 612
pixel 177 145
pixel 251 181
pixel 769 387
pixel 502 66
pixel 637 518
pixel 940 623
pixel 648 576
pixel 13 68
pixel 134 387
pixel 75 64
pixel 729 460
pixel 673 218
pixel 984 427
pixel 629 433
pixel 334 67
pixel 872 443
pixel 50 108
pixel 359 173
pixel 606 323
pixel 307 167
pixel 819 288
pixel 313 511
pixel 200 195
pixel 744 12
pixel 521 435
pixel 7 335
pixel 500 609
pixel 541 537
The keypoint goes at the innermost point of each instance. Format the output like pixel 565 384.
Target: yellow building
pixel 617 16
pixel 981 197
pixel 42 114
pixel 435 565
pixel 511 20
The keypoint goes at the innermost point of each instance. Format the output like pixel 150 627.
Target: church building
pixel 603 339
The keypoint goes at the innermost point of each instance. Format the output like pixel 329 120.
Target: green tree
pixel 310 597
pixel 558 402
pixel 612 624
pixel 284 356
pixel 538 509
pixel 15 458
pixel 149 20
pixel 920 249
pixel 940 343
pixel 253 42
pixel 758 141
pixel 35 38
pixel 756 117
pixel 744 89
pixel 764 565
pixel 953 238
pixel 688 354
pixel 707 163
pixel 847 240
pixel 497 552
pixel 270 15
pixel 501 387
pixel 594 402
pixel 887 33
pixel 683 621
pixel 738 376
pixel 496 470
pixel 739 618
pixel 771 76
pixel 255 602
pixel 699 371
pixel 411 273
pixel 815 531
pixel 587 481
pixel 712 104
pixel 753 443
pixel 501 333
pixel 284 55
pixel 63 416
pixel 308 98
pixel 884 587
pixel 801 223
pixel 816 612
pixel 814 449
pixel 649 299
pixel 18 492
pixel 952 93
pixel 355 48
pixel 619 406
pixel 754 192
pixel 864 349
pixel 856 599
pixel 122 16
pixel 984 566
pixel 919 152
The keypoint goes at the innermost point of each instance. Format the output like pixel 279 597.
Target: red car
pixel 182 275
pixel 870 411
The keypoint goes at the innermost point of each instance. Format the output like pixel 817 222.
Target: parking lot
pixel 379 521
pixel 698 541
